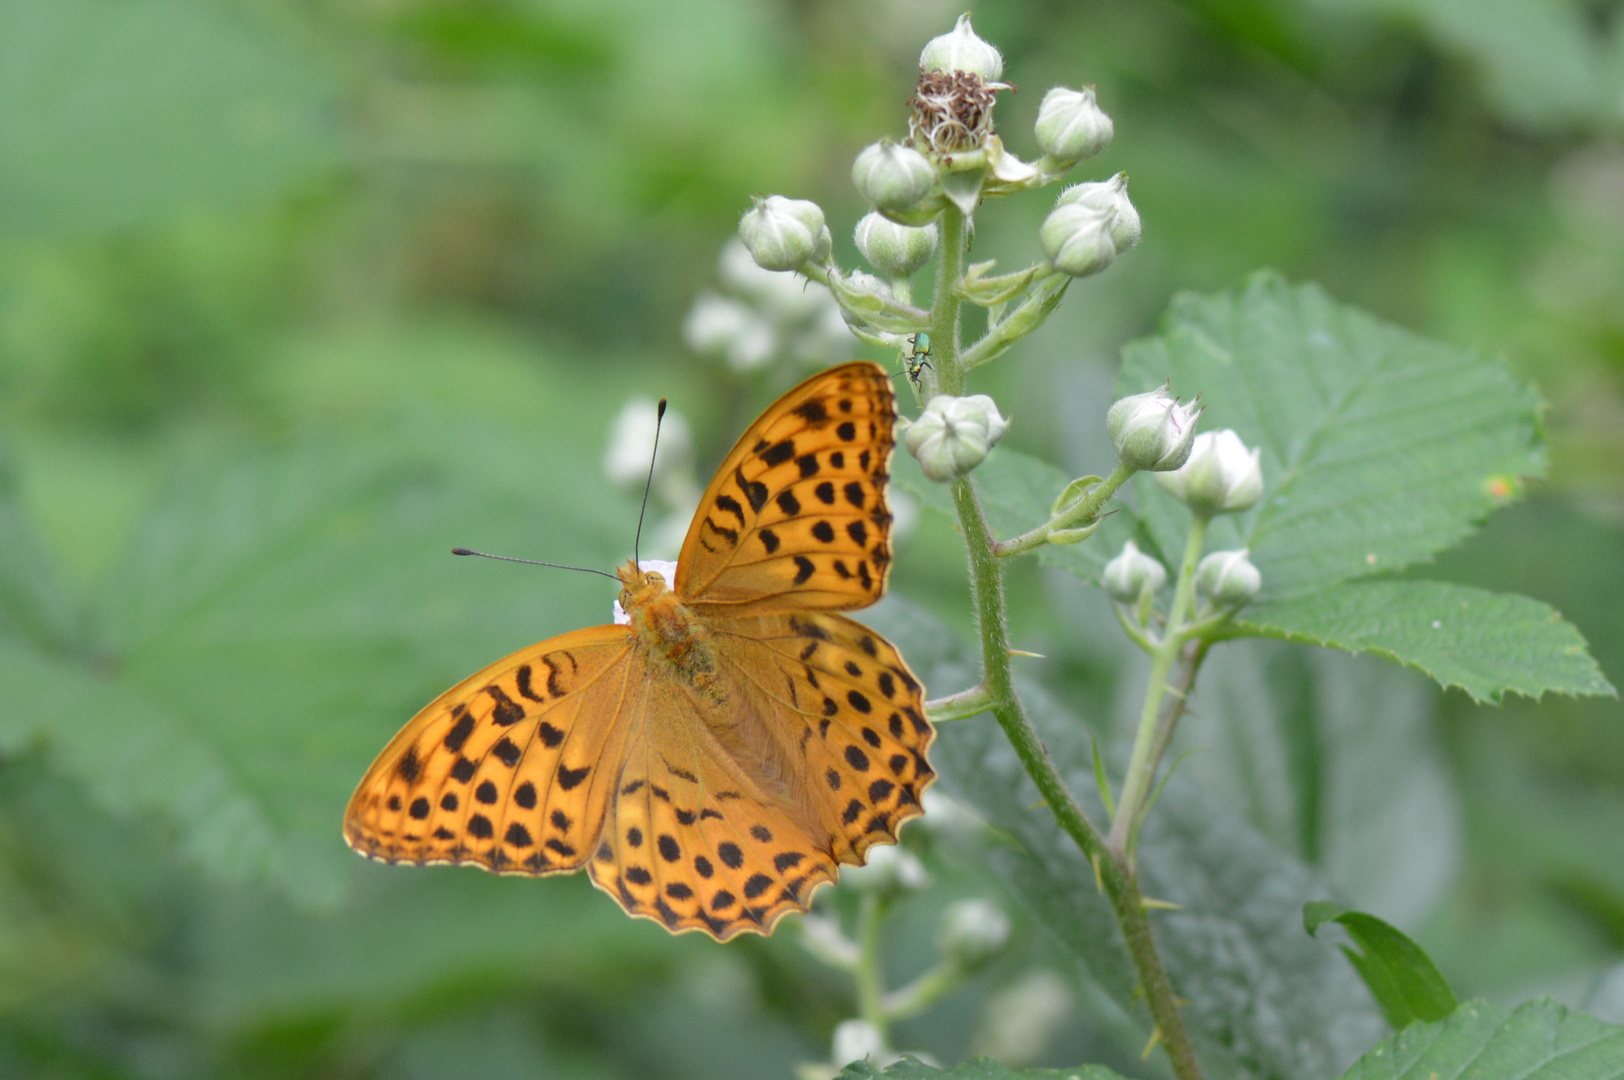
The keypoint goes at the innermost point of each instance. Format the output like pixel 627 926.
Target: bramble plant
pixel 1335 451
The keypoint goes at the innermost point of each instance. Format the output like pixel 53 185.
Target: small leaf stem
pixel 1081 513
pixel 1031 314
pixel 1116 876
pixel 959 706
pixel 870 988
pixel 1142 765
pixel 923 992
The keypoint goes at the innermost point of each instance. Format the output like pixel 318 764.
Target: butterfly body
pixel 712 761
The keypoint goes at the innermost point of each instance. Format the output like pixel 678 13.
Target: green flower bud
pixel 1152 432
pixel 1221 475
pixel 1131 575
pixel 782 234
pixel 1110 195
pixel 1228 577
pixel 892 177
pixel 894 250
pixel 961 50
pixel 953 434
pixel 1071 126
pixel 972 932
pixel 1077 239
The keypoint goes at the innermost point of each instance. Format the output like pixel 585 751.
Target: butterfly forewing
pixel 503 770
pixel 796 517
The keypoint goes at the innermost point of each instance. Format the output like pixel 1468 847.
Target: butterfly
pixel 715 760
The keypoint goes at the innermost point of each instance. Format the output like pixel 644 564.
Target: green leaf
pixel 1486 643
pixel 116 113
pixel 1379 447
pixel 981 1068
pixel 1402 977
pixel 1264 1001
pixel 1539 1040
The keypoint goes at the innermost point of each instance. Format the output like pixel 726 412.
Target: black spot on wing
pixel 803 569
pixel 755 492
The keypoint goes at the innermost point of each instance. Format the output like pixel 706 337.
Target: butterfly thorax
pixel 676 640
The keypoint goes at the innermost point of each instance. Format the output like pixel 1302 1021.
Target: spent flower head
pixel 953 434
pixel 1152 431
pixel 1221 475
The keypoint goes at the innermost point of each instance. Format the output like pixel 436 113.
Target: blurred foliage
pixel 293 297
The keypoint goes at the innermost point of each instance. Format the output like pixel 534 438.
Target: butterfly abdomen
pixel 676 640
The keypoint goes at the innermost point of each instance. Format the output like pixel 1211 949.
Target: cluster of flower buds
pixel 1220 475
pixel 954 434
pixel 762 317
pixel 1090 226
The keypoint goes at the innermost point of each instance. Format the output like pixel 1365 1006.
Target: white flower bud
pixel 953 434
pixel 889 871
pixel 1152 431
pixel 891 176
pixel 961 50
pixel 1112 195
pixel 857 1040
pixel 894 250
pixel 1228 577
pixel 782 234
pixel 972 932
pixel 1071 126
pixel 1220 477
pixel 667 570
pixel 1079 239
pixel 1132 574
pixel 713 323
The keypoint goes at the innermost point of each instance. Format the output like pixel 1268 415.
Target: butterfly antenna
pixel 532 562
pixel 659 417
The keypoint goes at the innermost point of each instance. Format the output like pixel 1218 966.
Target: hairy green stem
pixel 1116 875
pixel 1142 765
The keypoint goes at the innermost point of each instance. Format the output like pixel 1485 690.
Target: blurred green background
pixel 295 296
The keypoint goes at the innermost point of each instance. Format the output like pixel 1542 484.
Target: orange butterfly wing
pixel 716 807
pixel 507 769
pixel 796 517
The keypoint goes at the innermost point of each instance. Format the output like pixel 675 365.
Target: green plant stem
pixel 959 706
pixel 1142 765
pixel 870 989
pixel 1081 513
pixel 923 992
pixel 987 594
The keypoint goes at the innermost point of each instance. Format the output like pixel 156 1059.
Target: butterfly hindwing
pixel 796 517
pixel 855 716
pixel 502 770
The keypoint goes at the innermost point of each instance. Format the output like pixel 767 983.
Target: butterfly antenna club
pixel 659 417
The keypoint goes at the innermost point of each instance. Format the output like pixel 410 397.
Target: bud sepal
pixel 893 177
pixel 1228 578
pixel 1071 125
pixel 894 250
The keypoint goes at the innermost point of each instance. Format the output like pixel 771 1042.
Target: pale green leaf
pixel 1539 1040
pixel 1488 644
